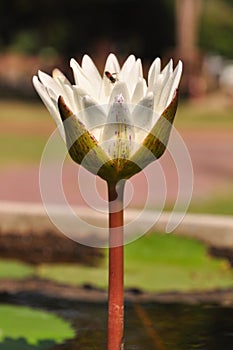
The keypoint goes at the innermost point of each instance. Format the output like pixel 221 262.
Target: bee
pixel 111 77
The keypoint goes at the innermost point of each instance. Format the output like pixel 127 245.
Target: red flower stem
pixel 116 268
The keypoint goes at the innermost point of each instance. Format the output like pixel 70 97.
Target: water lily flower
pixel 116 123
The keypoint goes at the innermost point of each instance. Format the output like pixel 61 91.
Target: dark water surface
pixel 149 326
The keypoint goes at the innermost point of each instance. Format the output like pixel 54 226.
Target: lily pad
pixel 34 328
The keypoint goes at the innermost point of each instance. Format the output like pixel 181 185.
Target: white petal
pixel 162 102
pixel 139 72
pixel 175 81
pixel 50 83
pixel 81 79
pixel 51 106
pixel 127 67
pixel 134 75
pixel 167 71
pixel 153 73
pixel 94 113
pixel 69 98
pixel 93 116
pixel 157 90
pixel 169 88
pixel 142 112
pixel 118 133
pixel 81 92
pixel 58 75
pixel 58 86
pixel 142 118
pixel 119 111
pixel 41 90
pixel 119 88
pixel 66 89
pixel 91 71
pixel 139 91
pixel 160 82
pixel 78 96
pixel 112 66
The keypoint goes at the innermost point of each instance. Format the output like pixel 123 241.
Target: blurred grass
pixel 201 115
pixel 154 263
pixel 14 269
pixel 23 111
pixel 25 128
pixel 215 204
pixel 21 149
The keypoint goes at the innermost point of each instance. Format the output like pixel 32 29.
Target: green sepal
pixel 82 145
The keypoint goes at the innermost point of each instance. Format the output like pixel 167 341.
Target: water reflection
pixel 150 326
pixel 157 327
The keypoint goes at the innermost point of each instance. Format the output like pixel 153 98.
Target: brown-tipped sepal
pixel 82 145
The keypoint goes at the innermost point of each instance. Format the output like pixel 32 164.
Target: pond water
pixel 149 326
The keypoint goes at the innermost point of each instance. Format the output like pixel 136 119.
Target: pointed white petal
pixel 127 67
pixel 69 98
pixel 157 90
pixel 105 90
pixel 142 117
pixel 94 113
pixel 91 71
pixel 167 71
pixel 57 86
pixel 153 73
pixel 78 98
pixel 119 88
pixel 175 81
pixel 60 77
pixel 66 89
pixel 162 102
pixel 139 91
pixel 142 112
pixel 81 79
pixel 79 75
pixel 93 116
pixel 169 88
pixel 133 76
pixel 50 83
pixel 138 66
pixel 159 85
pixel 112 64
pixel 118 133
pixel 79 91
pixel 50 105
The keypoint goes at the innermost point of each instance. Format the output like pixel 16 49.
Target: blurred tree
pixel 72 26
pixel 144 27
pixel 217 27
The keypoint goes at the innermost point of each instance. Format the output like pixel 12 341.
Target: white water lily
pixel 117 123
